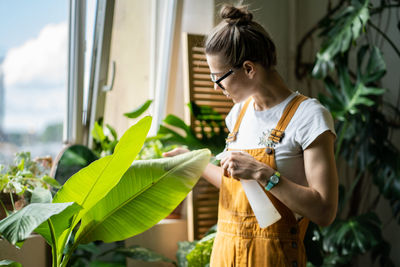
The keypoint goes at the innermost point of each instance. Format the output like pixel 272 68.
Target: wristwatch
pixel 273 180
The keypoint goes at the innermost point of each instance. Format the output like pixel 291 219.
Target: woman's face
pixel 234 85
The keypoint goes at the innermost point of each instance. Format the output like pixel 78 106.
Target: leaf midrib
pixel 128 200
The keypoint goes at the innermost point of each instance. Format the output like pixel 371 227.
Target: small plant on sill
pixel 26 181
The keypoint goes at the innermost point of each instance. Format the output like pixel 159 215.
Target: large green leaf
pixel 19 225
pixel 147 193
pixel 92 183
pixel 339 34
pixel 376 66
pixel 41 195
pixel 60 221
pixel 349 96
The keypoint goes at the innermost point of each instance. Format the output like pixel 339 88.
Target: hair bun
pixel 236 15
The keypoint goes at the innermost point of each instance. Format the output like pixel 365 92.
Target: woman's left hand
pixel 241 165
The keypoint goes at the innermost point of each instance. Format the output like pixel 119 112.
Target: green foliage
pixel 346 97
pixel 153 148
pixel 19 225
pixel 142 189
pixel 24 175
pixel 138 111
pixel 72 160
pixel 98 199
pixel 103 143
pixel 339 243
pixel 184 248
pixel 177 131
pixel 354 98
pixel 200 255
pixel 10 263
pixel 26 178
pixel 339 33
pixel 141 254
pixel 198 252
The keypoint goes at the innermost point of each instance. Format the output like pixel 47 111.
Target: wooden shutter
pixel 203 201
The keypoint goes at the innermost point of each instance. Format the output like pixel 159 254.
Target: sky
pixel 34 50
pixel 34 47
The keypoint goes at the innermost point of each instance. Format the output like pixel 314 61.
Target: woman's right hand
pixel 176 151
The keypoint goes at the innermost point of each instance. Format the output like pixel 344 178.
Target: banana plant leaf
pixel 340 32
pixel 92 183
pixel 60 222
pixel 147 193
pixel 19 225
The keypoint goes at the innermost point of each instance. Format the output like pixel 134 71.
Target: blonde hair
pixel 238 38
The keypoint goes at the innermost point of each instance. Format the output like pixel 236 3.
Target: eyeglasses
pixel 214 77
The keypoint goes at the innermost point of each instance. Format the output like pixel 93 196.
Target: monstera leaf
pixel 147 193
pixel 340 32
pixel 354 236
pixel 348 96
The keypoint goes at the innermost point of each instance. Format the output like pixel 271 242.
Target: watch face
pixel 274 179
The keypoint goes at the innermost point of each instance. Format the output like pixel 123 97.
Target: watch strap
pixel 271 184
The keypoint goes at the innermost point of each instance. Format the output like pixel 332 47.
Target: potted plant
pixel 25 181
pixel 111 199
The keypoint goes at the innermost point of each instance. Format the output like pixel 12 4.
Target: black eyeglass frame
pixel 218 82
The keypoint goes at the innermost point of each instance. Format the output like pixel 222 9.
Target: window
pixel 33 76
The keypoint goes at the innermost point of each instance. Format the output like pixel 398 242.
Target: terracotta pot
pixel 19 203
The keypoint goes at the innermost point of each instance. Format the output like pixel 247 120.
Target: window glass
pixel 33 76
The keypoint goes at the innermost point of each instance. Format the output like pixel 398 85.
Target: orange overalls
pixel 240 241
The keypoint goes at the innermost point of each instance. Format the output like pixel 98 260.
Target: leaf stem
pixel 12 201
pixel 351 189
pixel 340 140
pixel 69 254
pixel 53 240
pixel 4 208
pixel 385 37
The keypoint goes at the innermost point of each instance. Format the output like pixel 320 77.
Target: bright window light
pixel 33 76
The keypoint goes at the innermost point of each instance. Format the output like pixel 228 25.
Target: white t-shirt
pixel 310 120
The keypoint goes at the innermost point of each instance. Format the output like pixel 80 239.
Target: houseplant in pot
pixel 111 199
pixel 25 181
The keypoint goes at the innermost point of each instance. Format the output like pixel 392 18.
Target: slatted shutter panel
pixel 203 201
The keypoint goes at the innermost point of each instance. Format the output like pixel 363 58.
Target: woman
pixel 289 145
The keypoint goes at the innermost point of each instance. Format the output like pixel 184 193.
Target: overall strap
pixel 279 132
pixel 232 135
pixel 276 136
